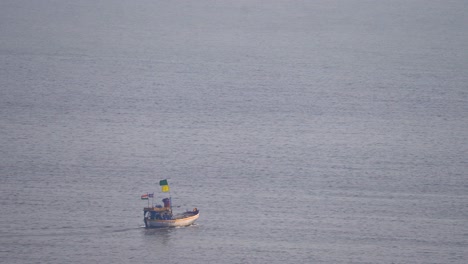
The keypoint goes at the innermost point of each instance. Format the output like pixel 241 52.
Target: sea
pixel 305 131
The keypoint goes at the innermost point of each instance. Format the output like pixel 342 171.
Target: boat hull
pixel 186 221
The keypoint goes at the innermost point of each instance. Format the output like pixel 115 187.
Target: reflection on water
pixel 158 235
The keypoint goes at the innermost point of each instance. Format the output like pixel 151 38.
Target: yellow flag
pixel 165 188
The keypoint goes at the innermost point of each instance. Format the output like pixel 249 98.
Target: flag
pixel 163 182
pixel 144 197
pixel 164 185
pixel 165 188
pixel 150 195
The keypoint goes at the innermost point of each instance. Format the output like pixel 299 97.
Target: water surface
pixel 304 131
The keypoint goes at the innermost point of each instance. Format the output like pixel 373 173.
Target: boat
pixel 157 216
pixel 163 217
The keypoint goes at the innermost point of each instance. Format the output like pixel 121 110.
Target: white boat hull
pixel 152 223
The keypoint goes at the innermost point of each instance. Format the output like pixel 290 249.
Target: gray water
pixel 325 131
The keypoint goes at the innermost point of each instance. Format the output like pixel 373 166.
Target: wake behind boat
pixel 162 216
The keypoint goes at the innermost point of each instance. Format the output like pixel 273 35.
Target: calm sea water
pixel 304 131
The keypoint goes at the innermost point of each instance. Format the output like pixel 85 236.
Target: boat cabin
pixel 159 212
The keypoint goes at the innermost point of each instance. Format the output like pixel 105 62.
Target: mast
pixel 170 200
pixel 165 188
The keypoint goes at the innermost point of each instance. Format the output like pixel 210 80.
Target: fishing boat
pixel 162 216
